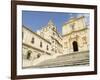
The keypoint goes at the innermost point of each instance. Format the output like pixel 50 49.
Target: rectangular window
pixel 47 47
pixel 52 41
pixel 32 41
pixel 55 51
pixel 73 26
pixel 40 44
pixel 65 45
pixel 22 35
pixel 52 49
pixel 53 33
pixel 84 40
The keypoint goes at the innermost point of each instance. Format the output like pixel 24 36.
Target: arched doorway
pixel 75 46
pixel 29 54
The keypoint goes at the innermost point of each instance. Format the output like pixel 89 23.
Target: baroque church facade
pixel 75 35
pixel 48 42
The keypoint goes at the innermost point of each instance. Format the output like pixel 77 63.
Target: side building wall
pixel 34 46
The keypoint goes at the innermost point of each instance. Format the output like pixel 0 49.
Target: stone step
pixel 48 62
pixel 65 58
pixel 64 63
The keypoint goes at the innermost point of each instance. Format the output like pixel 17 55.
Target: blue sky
pixel 37 19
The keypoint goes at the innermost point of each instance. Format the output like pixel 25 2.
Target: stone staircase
pixel 72 59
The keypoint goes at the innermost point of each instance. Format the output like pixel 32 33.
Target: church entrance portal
pixel 75 46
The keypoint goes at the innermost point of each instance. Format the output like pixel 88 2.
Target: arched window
pixel 75 46
pixel 29 54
